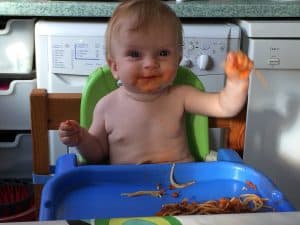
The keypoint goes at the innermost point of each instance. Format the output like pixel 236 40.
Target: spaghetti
pixel 158 193
pixel 245 203
pixel 177 185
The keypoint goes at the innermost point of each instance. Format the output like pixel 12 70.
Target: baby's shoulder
pixel 181 89
pixel 107 101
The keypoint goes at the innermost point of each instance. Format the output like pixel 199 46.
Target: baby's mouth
pixel 149 77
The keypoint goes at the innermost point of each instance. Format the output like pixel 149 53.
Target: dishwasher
pixel 272 135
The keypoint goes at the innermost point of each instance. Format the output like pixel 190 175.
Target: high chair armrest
pixel 65 163
pixel 226 154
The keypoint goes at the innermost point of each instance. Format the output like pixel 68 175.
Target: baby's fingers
pixel 70 141
pixel 238 65
pixel 243 62
pixel 231 68
pixel 69 132
pixel 69 125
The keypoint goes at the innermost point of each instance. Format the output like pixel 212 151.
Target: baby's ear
pixel 113 67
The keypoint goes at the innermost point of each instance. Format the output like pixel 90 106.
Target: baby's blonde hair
pixel 140 14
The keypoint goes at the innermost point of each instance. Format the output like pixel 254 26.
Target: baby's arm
pixel 91 147
pixel 95 146
pixel 231 99
pixel 237 68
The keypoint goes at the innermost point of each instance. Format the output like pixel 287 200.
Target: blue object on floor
pixel 97 191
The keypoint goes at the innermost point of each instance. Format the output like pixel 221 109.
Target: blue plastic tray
pixel 87 192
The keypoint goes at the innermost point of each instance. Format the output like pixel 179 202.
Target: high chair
pixel 48 110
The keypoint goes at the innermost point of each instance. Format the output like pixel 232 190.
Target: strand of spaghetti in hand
pixel 261 77
pixel 176 185
pixel 158 193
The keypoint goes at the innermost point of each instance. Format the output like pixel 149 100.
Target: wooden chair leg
pixel 39 132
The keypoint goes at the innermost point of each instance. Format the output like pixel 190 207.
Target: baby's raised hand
pixel 238 65
pixel 70 132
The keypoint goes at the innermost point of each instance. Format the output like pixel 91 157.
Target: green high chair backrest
pixel 101 82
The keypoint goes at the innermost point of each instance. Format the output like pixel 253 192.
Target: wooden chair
pixel 49 109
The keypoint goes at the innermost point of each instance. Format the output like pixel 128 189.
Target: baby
pixel 143 120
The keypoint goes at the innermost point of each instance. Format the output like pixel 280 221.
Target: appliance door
pixel 272 139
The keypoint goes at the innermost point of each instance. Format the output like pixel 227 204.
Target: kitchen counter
pixel 187 9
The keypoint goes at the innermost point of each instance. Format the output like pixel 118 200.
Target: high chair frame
pixel 49 109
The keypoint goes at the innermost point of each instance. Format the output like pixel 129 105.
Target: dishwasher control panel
pixel 76 55
pixel 205 46
pixel 204 56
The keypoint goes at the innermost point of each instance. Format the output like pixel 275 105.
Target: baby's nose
pixel 151 63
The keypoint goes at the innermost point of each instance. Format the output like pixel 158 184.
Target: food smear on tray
pixel 243 204
pixel 250 185
pixel 160 191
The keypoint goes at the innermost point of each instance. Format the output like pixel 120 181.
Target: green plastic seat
pixel 100 82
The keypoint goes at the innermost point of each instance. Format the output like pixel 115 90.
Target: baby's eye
pixel 164 53
pixel 134 54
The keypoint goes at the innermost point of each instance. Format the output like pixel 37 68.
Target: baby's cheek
pixel 132 80
pixel 168 76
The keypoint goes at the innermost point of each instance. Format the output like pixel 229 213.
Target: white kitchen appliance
pixel 272 137
pixel 204 52
pixel 66 52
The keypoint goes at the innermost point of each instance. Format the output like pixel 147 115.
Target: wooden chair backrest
pixel 49 109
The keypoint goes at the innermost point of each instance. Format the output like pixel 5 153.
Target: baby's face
pixel 146 60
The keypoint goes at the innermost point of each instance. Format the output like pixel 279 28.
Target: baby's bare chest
pixel 153 121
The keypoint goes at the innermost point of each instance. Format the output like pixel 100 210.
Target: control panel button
pixel 191 46
pixel 274 61
pixel 203 61
pixel 205 46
